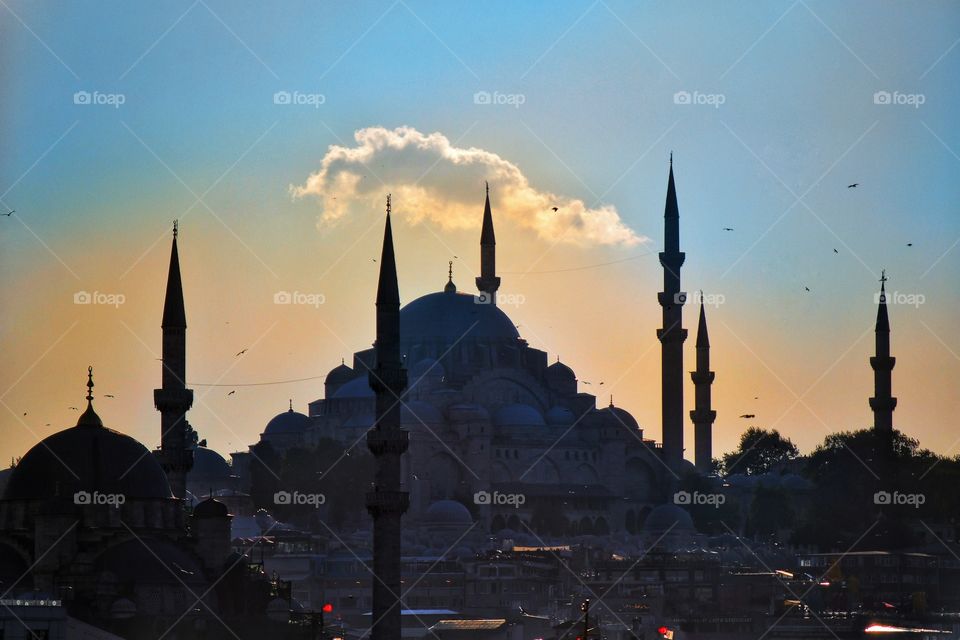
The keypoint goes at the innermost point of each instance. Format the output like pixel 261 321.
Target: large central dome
pixel 448 315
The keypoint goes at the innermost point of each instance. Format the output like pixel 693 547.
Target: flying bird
pixel 585 382
pixel 240 353
pixel 10 213
pixel 74 409
pixel 24 413
pixel 749 415
pixel 835 251
pixel 107 395
pixel 807 288
pixel 232 392
pixel 728 228
pixel 909 244
pixel 854 185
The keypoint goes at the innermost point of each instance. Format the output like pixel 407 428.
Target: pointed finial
pixel 450 287
pixel 883 275
pixel 89 384
pixel 291 404
pixel 388 204
pixel 342 361
pixel 450 271
pixel 558 357
pixel 488 187
pixel 671 158
pixel 176 227
pixel 611 401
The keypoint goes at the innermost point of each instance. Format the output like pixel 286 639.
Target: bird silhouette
pixel 585 382
pixel 749 415
pixel 728 228
pixel 807 288
pixel 232 392
pixel 24 413
pixel 10 213
pixel 835 251
pixel 555 209
pixel 240 353
pixel 374 259
pixel 909 244
pixel 74 409
pixel 107 395
pixel 854 185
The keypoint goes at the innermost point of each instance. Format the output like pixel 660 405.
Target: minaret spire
pixel 387 442
pixel 883 403
pixel 488 283
pixel 173 399
pixel 672 334
pixel 703 414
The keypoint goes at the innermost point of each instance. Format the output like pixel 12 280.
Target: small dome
pixel 622 418
pixel 560 371
pixel 447 512
pixel 668 517
pixel 288 422
pixel 208 465
pixel 211 508
pixel 359 387
pixel 467 412
pixel 340 374
pixel 560 416
pixel 517 415
pixel 416 412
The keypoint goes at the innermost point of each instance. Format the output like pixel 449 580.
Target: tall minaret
pixel 882 402
pixel 672 334
pixel 387 441
pixel 173 399
pixel 703 414
pixel 488 282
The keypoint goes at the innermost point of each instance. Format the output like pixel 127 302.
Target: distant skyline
pixel 273 136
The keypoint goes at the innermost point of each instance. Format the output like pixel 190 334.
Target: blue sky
pixel 95 187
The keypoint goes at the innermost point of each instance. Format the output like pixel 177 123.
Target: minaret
pixel 488 282
pixel 672 334
pixel 882 402
pixel 173 399
pixel 387 441
pixel 703 415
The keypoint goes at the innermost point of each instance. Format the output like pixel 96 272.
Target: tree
pixel 759 451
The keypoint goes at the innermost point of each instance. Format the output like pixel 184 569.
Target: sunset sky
pixel 273 132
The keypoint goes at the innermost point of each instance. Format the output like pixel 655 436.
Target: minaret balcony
pixel 172 399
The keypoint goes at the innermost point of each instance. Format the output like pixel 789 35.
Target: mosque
pixel 490 418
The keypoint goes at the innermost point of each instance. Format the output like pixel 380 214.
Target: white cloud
pixel 433 180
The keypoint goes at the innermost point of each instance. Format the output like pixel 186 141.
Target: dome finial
pixel 291 404
pixel 176 224
pixel 90 417
pixel 450 287
pixel 611 401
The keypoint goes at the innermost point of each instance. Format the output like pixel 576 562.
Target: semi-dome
pixel 288 422
pixel 88 457
pixel 357 388
pixel 560 416
pixel 415 412
pixel 668 517
pixel 447 512
pixel 208 465
pixel 340 374
pixel 452 316
pixel 467 412
pixel 517 415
